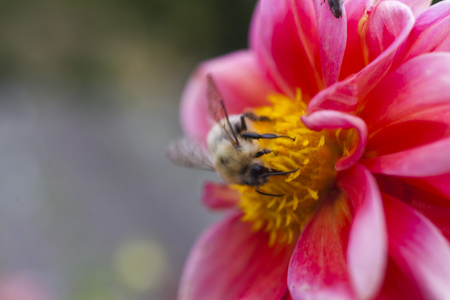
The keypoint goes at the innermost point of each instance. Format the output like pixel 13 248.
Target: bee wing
pixel 216 107
pixel 187 154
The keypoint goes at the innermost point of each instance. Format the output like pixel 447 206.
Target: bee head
pixel 255 174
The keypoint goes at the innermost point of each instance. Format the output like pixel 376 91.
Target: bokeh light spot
pixel 142 265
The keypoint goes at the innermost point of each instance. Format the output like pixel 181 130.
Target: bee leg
pixel 243 124
pixel 262 152
pixel 251 116
pixel 257 136
pixel 255 118
pixel 266 194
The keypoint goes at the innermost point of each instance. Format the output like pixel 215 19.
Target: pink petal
pixel 366 254
pixel 439 185
pixel 428 125
pixel 388 25
pixel 332 39
pixel 344 95
pixel 219 196
pixel 341 96
pixel 305 18
pixel 353 60
pixel 24 285
pixel 240 81
pixel 281 48
pixel 434 206
pixel 265 61
pixel 230 261
pixel 398 285
pixel 418 248
pixel 429 160
pixel 419 84
pixel 428 195
pixel 329 119
pixel 417 6
pixel 431 32
pixel 318 269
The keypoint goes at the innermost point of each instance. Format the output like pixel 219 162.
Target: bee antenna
pixel 266 194
pixel 279 173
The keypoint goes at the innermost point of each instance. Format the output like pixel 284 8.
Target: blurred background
pixel 90 208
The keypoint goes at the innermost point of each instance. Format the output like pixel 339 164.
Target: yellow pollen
pixel 312 153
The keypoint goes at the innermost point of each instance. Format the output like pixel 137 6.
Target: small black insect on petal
pixel 336 7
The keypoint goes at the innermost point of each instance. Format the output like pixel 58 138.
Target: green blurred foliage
pixel 199 28
pixel 85 45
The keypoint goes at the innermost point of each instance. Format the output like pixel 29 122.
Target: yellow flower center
pixel 313 153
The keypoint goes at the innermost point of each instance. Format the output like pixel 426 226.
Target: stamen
pixel 289 200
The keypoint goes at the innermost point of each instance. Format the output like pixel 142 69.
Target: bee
pixel 233 148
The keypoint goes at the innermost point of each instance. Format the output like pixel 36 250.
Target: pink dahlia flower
pixel 367 214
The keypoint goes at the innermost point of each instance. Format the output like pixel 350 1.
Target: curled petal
pixel 240 81
pixel 318 268
pixel 417 6
pixel 418 248
pixel 341 96
pixel 385 24
pixel 219 196
pixel 283 48
pixel 367 247
pixel 328 119
pixel 431 32
pixel 230 261
pixel 332 39
pixel 428 160
pixel 385 29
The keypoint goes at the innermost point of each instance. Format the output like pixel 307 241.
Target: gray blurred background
pixel 90 208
